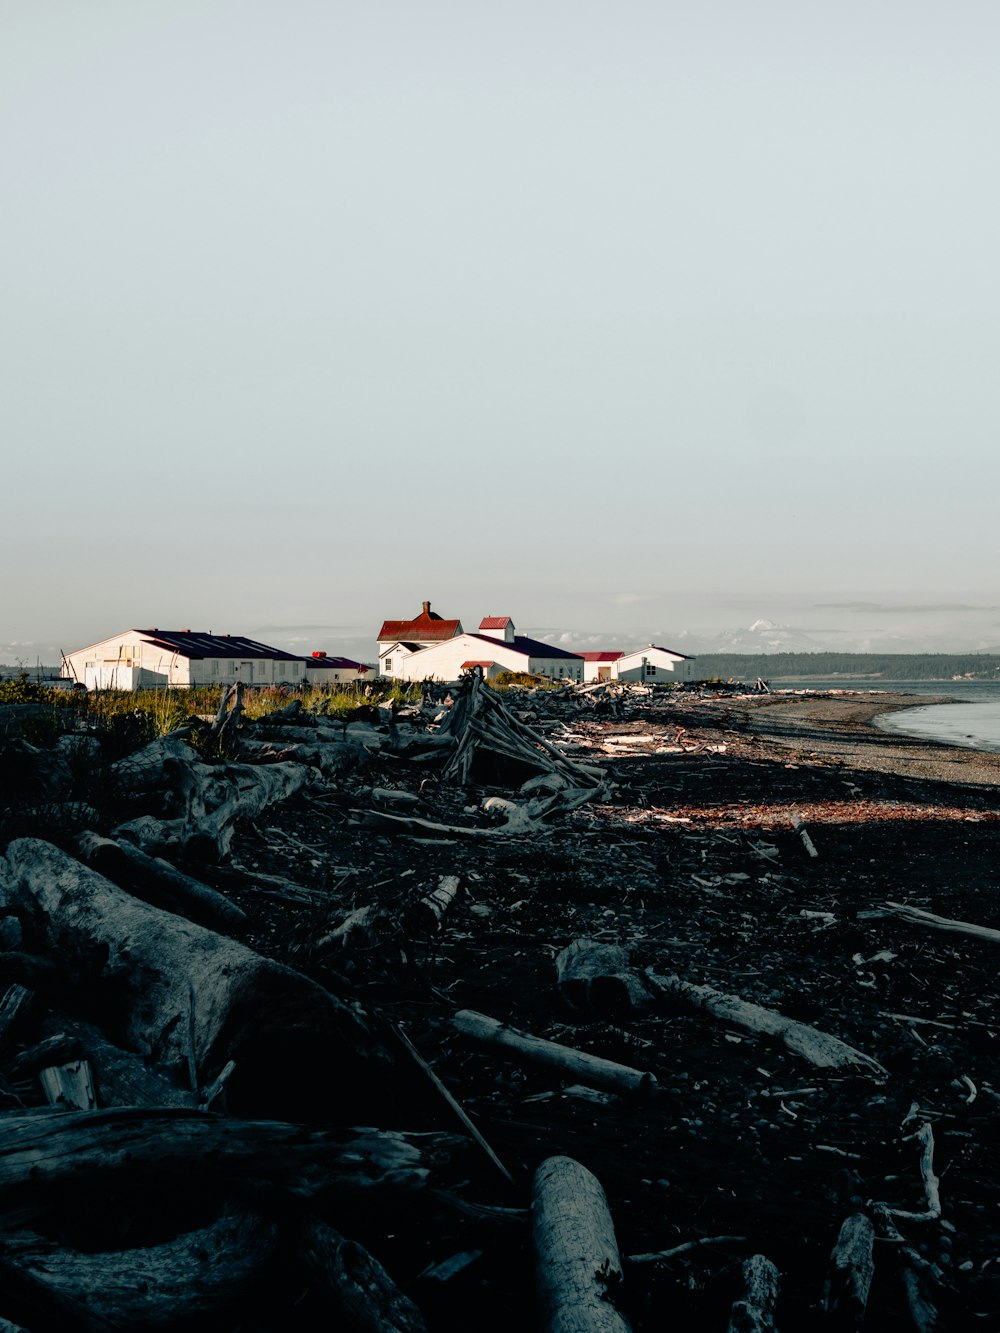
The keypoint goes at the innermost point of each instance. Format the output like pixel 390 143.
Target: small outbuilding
pixel 649 664
pixel 321 669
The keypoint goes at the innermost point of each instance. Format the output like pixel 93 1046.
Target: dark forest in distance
pixel 829 666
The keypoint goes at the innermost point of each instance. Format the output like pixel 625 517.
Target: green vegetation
pixel 142 715
pixel 828 666
pixel 507 680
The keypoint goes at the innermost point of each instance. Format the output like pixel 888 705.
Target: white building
pixel 399 639
pixel 145 658
pixel 321 669
pixel 497 647
pixel 649 664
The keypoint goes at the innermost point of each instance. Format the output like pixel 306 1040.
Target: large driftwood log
pixel 202 1272
pixel 591 1070
pixel 596 977
pixel 197 803
pixel 354 1287
pixel 159 883
pixel 212 798
pixel 150 772
pixel 819 1048
pixel 577 1265
pixel 754 1312
pixel 183 996
pixel 849 1279
pixel 44 1150
pixel 917 917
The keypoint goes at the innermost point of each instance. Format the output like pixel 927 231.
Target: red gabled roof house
pixel 399 638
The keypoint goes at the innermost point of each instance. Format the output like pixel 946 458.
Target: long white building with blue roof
pixel 144 658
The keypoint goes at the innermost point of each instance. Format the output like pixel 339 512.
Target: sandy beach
pixel 840 726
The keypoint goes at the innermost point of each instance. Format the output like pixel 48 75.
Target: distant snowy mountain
pixel 763 636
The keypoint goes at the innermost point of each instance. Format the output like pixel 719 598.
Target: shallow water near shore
pixel 972 720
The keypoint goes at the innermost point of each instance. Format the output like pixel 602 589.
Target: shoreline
pixel 842 727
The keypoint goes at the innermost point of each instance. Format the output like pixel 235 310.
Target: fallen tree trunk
pixel 355 1288
pixel 917 917
pixel 819 1048
pixel 202 1272
pixel 185 997
pixel 852 1266
pixel 577 1265
pixel 159 883
pixel 208 800
pixel 43 1151
pixel 591 1070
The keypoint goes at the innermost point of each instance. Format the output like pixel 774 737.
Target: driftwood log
pixel 754 1311
pixel 203 1272
pixel 354 1287
pixel 594 977
pixel 202 801
pixel 819 1048
pixel 159 883
pixel 849 1279
pixel 43 1151
pixel 577 1265
pixel 189 999
pixel 491 742
pixel 591 1070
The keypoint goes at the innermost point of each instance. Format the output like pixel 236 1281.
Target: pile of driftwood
pixel 208 1096
pixel 199 1135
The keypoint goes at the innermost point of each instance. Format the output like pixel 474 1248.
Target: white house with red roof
pixel 399 639
pixel 324 670
pixel 496 647
pixel 649 664
pixel 599 666
pixel 145 658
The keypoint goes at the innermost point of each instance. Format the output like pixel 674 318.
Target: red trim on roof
pixel 494 622
pixel 600 657
pixel 485 665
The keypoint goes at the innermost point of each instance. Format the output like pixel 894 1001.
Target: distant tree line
pixel 887 666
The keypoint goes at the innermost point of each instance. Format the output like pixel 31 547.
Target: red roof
pixel 428 627
pixel 600 657
pixel 325 662
pixel 484 665
pixel 494 622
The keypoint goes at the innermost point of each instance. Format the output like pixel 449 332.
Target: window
pixel 215 667
pixel 388 664
pixel 650 669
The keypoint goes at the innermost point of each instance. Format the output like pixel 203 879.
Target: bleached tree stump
pixel 852 1266
pixel 754 1313
pixel 577 1265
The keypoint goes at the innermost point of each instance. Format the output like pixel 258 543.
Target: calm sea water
pixel 973 720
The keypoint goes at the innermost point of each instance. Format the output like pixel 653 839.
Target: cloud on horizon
pixel 903 608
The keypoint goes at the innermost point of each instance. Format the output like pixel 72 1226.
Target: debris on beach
pixel 310 1020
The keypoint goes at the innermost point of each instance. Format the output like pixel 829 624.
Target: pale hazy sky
pixel 605 316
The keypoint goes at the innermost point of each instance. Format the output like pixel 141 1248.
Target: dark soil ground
pixel 693 865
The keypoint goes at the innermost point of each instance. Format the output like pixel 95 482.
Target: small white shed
pixel 649 664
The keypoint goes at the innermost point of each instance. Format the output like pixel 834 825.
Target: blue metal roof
pixel 196 645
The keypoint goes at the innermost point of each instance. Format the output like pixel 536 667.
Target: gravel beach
pixel 841 726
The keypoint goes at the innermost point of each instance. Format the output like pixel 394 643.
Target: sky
pixel 630 321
